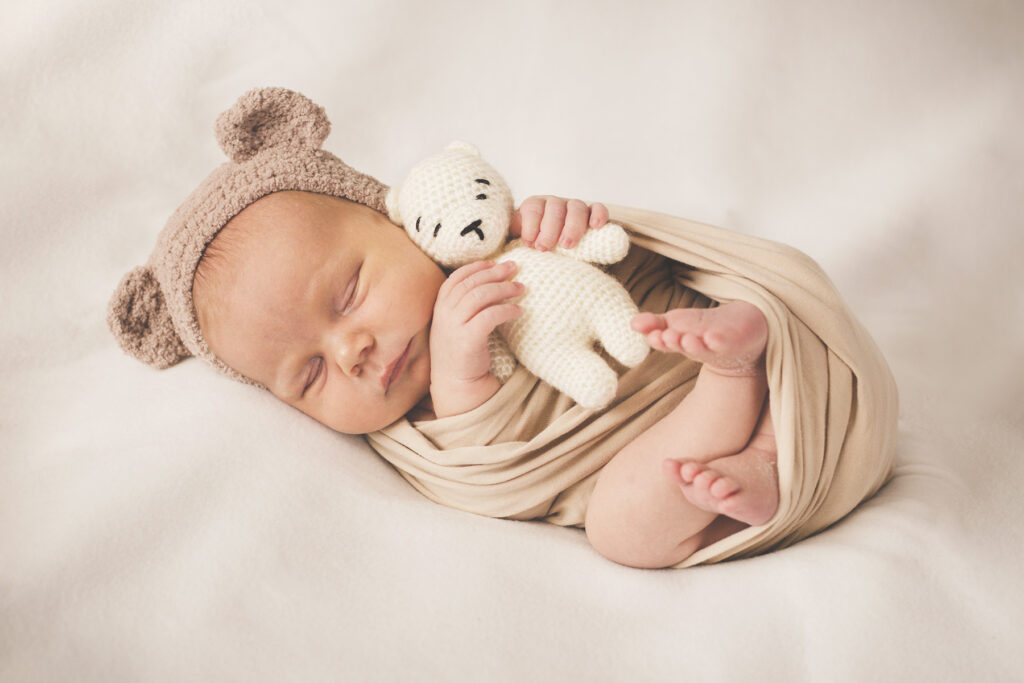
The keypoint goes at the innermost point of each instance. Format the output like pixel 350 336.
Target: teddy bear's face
pixel 456 207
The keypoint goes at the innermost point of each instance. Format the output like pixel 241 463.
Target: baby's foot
pixel 743 486
pixel 729 339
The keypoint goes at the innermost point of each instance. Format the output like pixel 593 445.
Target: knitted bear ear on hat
pixel 137 315
pixel 271 117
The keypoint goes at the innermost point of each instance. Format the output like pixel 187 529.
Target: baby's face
pixel 328 305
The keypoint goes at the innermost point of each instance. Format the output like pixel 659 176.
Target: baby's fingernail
pixel 567 242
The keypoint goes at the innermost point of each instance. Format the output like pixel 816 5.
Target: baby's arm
pixel 546 221
pixel 471 303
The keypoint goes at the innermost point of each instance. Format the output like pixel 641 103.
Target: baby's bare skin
pixel 707 469
pixel 730 341
pixel 311 314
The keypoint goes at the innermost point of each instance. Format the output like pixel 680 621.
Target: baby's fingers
pixel 526 219
pixel 474 301
pixel 565 221
pixel 474 274
pixel 556 210
pixel 576 217
pixel 484 322
pixel 460 275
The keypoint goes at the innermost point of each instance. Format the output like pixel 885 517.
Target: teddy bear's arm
pixel 608 244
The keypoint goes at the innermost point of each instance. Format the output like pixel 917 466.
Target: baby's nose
pixel 352 350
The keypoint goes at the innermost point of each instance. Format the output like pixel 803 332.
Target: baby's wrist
pixel 452 396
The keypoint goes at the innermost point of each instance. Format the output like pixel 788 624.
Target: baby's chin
pixel 398 405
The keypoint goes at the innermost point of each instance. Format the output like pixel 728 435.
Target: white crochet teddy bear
pixel 457 208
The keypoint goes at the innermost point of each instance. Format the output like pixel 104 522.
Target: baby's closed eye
pixel 315 365
pixel 348 297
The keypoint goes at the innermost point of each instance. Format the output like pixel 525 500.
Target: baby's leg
pixel 733 473
pixel 743 486
pixel 636 514
pixel 729 395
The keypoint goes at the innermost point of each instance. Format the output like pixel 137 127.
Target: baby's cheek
pixel 420 372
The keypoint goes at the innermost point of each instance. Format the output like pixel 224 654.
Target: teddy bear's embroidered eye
pixel 418 223
pixel 437 229
pixel 483 180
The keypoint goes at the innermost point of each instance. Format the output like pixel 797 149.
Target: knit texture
pixel 568 305
pixel 272 137
pixel 454 206
pixel 457 208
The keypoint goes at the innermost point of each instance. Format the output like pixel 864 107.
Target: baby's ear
pixel 463 146
pixel 137 315
pixel 265 118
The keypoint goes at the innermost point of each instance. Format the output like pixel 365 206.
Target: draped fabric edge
pixel 833 399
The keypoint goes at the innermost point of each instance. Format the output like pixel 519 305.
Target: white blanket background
pixel 175 526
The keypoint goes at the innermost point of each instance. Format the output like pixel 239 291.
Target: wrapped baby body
pixel 531 452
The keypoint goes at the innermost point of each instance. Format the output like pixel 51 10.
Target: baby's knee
pixel 623 525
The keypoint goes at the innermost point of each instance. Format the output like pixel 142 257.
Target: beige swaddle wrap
pixel 531 453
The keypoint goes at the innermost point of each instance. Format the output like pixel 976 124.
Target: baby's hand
pixel 545 221
pixel 470 304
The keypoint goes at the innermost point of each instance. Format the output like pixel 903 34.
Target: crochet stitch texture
pixel 457 208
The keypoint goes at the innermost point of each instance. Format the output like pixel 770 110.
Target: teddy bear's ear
pixel 391 204
pixel 463 146
pixel 271 117
pixel 137 315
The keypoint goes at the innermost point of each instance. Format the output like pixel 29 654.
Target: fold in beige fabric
pixel 531 453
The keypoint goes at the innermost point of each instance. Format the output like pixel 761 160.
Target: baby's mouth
pixel 394 369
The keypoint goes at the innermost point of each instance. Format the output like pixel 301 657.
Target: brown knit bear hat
pixel 273 138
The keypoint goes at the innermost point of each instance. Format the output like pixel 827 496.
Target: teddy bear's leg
pixel 503 363
pixel 580 373
pixel 611 323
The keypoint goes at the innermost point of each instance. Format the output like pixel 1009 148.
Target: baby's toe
pixel 654 339
pixel 692 345
pixel 671 339
pixel 723 487
pixel 672 469
pixel 705 479
pixel 689 470
pixel 646 322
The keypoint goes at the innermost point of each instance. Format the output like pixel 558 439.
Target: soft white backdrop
pixel 176 526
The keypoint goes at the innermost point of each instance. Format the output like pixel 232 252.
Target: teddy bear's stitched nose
pixel 473 227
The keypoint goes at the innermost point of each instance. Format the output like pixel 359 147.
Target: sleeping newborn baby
pixel 283 271
pixel 334 310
